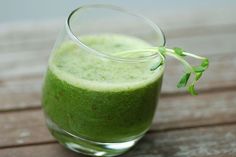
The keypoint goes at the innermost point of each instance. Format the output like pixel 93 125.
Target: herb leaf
pixel 205 63
pixel 179 51
pixel 192 90
pixel 184 80
pixel 198 75
pixel 199 69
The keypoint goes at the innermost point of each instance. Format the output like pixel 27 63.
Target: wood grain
pixel 47 150
pixel 23 127
pixel 199 40
pixel 27 126
pixel 202 142
pixel 187 111
pixel 22 94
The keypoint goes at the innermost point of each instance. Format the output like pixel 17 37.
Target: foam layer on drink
pixel 86 69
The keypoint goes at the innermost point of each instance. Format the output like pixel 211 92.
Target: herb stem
pixel 129 53
pixel 188 67
pixel 178 54
pixel 193 55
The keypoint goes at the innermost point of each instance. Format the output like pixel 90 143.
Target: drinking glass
pixel 97 100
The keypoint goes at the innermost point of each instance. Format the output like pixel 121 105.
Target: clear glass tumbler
pixel 98 99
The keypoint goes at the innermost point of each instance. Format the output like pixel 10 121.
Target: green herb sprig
pixel 179 54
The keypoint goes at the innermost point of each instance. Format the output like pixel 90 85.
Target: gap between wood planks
pixel 28 144
pixel 202 91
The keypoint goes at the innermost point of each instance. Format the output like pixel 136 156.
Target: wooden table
pixel 184 126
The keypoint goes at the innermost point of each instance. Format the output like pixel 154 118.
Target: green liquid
pixel 97 98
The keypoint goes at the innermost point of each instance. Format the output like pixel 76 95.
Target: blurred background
pixel 28 10
pixel 167 14
pixel 29 28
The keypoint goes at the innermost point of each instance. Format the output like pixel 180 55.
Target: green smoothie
pixel 98 98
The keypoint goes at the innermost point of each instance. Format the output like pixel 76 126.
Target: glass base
pixel 88 147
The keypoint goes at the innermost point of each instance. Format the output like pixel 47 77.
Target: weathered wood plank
pixel 192 39
pixel 23 127
pixel 50 35
pixel 21 32
pixel 24 80
pixel 48 150
pixel 202 142
pixel 15 65
pixel 32 45
pixel 22 94
pixel 188 111
pixel 28 126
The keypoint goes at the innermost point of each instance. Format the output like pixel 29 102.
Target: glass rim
pixel 77 40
